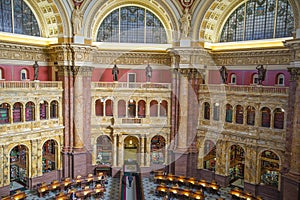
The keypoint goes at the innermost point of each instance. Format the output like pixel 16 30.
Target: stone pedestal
pixel 185 43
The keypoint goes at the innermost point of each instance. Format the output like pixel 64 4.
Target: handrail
pixel 127 85
pixel 30 84
pixel 244 89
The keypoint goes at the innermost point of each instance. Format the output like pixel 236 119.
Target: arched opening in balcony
pixel 29 111
pixel 250 115
pixel 131 108
pixel 141 109
pixel 209 159
pixel 206 113
pixel 99 107
pixel 49 160
pixel 237 164
pixel 153 108
pixel 54 109
pixel 269 168
pixel 19 164
pixel 109 107
pixel 43 110
pixel 17 112
pixel 4 113
pixel 104 150
pixel 163 108
pixel 239 114
pixel 158 146
pixel 278 118
pixel 265 117
pixel 121 108
pixel 229 111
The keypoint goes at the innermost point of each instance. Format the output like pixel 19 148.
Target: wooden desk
pixel 19 195
pixel 84 193
pixel 62 196
pixel 43 189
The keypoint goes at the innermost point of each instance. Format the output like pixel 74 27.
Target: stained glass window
pixel 132 24
pixel 259 19
pixel 17 17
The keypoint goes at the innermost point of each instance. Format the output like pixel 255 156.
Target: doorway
pixel 131 149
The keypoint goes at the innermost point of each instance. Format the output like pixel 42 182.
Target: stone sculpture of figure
pixel 223 74
pixel 185 23
pixel 115 72
pixel 36 70
pixel 77 19
pixel 148 72
pixel 261 73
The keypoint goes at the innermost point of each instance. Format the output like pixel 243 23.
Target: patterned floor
pixel 112 192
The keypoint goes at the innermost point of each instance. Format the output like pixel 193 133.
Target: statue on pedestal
pixel 223 74
pixel 185 23
pixel 148 73
pixel 115 72
pixel 261 71
pixel 36 70
pixel 77 19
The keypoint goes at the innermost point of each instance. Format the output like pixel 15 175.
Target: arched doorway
pixel 18 166
pixel 237 165
pixel 49 156
pixel 158 144
pixel 131 148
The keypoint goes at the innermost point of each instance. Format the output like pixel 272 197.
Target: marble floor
pixel 112 191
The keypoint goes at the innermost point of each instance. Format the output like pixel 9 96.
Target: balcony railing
pixel 127 85
pixel 30 85
pixel 257 89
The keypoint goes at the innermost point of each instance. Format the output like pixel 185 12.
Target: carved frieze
pixel 270 57
pixel 22 52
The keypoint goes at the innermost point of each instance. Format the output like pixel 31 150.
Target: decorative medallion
pixel 187 3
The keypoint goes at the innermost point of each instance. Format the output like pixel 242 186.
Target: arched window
pixel 17 112
pixel 17 17
pixel 29 111
pixel 99 106
pixel 4 113
pixel 43 110
pixel 104 150
pixel 131 108
pixel 109 107
pixel 132 24
pixel 153 108
pixel 158 144
pixel 229 111
pixel 259 19
pixel 54 109
pixel 216 112
pixel 209 160
pixel 23 74
pixel 280 80
pixel 265 117
pixel 233 79
pixel 278 118
pixel 121 108
pixel 250 115
pixel 255 79
pixel 142 109
pixel 49 151
pixel 269 168
pixel 206 113
pixel 239 114
pixel 163 108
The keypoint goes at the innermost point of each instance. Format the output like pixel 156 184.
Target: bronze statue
pixel 36 70
pixel 148 73
pixel 261 71
pixel 223 74
pixel 115 72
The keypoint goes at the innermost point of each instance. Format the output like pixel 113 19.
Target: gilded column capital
pixel 82 71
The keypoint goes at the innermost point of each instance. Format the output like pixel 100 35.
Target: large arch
pixel 211 16
pixel 97 11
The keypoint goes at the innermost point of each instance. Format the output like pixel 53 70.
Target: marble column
pixel 290 186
